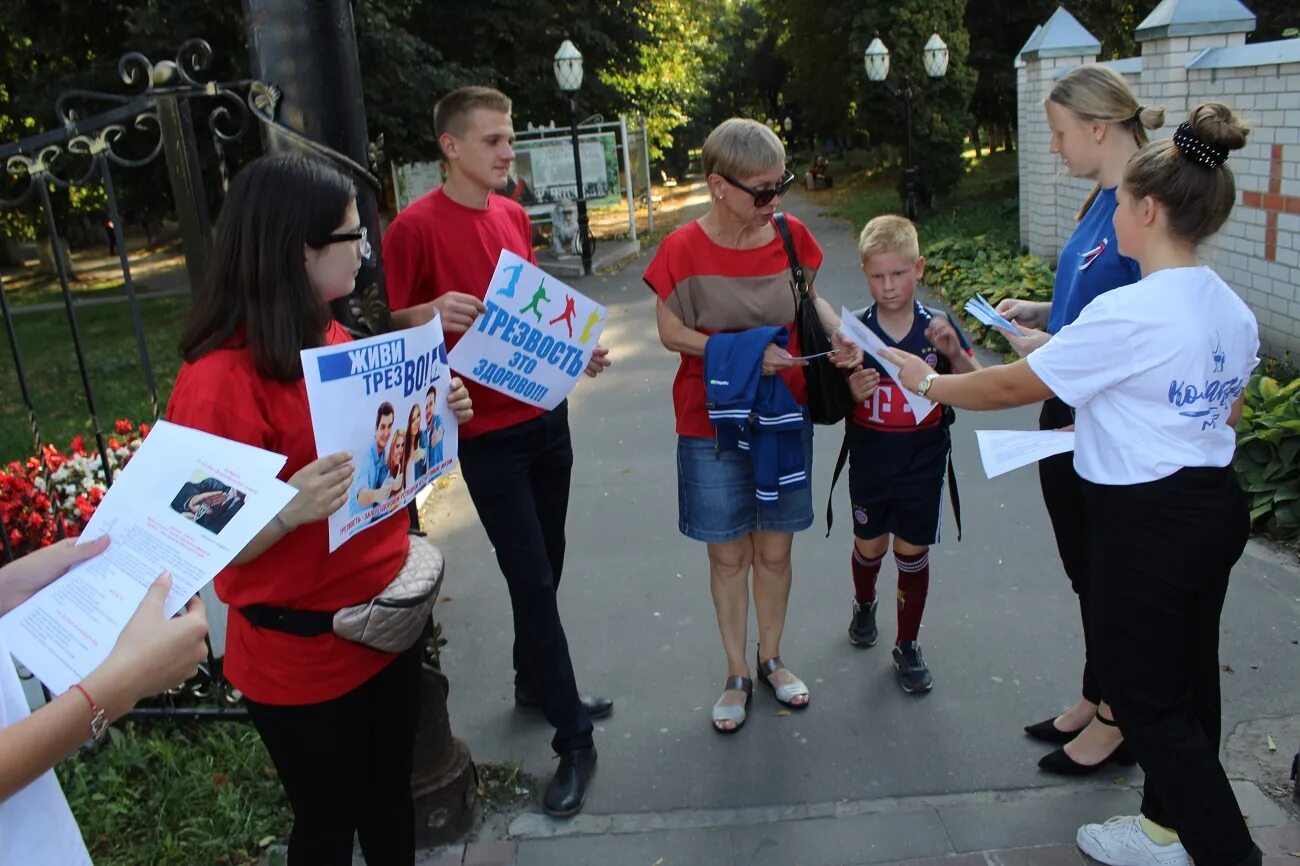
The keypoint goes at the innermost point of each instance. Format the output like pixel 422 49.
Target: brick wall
pixel 1258 251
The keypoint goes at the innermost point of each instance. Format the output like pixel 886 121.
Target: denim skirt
pixel 715 494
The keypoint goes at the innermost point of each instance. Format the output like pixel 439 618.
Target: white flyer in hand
pixel 187 503
pixel 1004 450
pixel 535 339
pixel 852 329
pixel 383 400
pixel 986 313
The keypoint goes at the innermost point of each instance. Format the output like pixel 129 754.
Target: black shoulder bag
pixel 829 399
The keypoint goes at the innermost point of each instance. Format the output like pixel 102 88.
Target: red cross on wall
pixel 1273 202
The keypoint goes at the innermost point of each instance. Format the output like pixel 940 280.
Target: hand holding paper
pixel 853 329
pixel 983 311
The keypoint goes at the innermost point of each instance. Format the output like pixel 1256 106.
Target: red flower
pixel 78 445
pixel 144 430
pixel 123 426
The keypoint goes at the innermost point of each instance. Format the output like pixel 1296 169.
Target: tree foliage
pixel 940 118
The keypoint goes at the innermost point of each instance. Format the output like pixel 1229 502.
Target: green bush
pixel 960 268
pixel 1268 449
pixel 177 794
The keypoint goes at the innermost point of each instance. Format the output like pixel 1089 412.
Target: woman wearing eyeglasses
pixel 726 273
pixel 337 717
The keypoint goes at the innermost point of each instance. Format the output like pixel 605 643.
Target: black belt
pixel 302 623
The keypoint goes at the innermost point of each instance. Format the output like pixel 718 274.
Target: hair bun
pixel 1218 126
pixel 1151 116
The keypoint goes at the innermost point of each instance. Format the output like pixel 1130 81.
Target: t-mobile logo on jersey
pixel 884 405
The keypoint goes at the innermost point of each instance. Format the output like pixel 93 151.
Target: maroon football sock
pixel 913 587
pixel 865 572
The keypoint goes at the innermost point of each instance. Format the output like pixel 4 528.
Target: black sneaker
pixel 913 675
pixel 862 631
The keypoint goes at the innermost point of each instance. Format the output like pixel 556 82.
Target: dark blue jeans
pixel 518 478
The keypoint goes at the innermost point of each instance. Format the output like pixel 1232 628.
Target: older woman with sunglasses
pixel 728 272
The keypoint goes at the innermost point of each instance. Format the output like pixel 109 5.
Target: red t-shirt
pixel 436 246
pixel 716 289
pixel 223 394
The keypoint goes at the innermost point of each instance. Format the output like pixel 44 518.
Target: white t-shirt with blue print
pixel 1090 263
pixel 1152 370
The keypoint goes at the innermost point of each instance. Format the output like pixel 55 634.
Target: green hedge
pixel 1268 449
pixel 960 268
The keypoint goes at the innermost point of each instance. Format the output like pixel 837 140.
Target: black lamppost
pixel 568 74
pixel 876 59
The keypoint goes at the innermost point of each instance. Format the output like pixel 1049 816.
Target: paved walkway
pixel 868 774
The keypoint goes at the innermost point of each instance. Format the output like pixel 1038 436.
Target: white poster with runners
pixel 535 337
pixel 384 401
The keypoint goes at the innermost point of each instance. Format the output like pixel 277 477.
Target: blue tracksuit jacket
pixel 753 412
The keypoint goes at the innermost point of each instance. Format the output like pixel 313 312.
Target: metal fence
pixel 101 136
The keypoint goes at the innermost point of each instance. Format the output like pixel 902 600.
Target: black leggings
pixel 1063 496
pixel 346 768
pixel 1161 553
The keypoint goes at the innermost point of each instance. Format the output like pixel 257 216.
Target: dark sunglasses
pixel 764 196
pixel 360 237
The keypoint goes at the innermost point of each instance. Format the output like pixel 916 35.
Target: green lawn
pixel 984 204
pixel 116 376
pixel 176 794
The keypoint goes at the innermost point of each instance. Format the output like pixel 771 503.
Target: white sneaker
pixel 1122 842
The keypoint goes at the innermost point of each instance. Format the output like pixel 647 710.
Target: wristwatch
pixel 924 385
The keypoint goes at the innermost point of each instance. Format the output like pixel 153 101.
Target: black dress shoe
pixel 597 708
pixel 567 790
pixel 1060 763
pixel 1048 732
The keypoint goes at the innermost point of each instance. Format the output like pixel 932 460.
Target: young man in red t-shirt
pixel 439 256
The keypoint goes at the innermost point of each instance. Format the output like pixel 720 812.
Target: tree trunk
pixel 45 256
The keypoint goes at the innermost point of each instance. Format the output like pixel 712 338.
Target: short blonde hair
pixel 889 234
pixel 451 113
pixel 741 147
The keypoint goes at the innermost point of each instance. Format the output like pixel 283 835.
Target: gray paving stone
pixel 1047 855
pixel 878 838
pixel 1029 821
pixel 667 848
pixel 1259 810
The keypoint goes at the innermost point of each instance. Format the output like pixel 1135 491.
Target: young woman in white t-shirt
pixel 1156 373
pixel 153 653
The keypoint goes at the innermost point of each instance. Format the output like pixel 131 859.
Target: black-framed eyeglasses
pixel 360 237
pixel 764 196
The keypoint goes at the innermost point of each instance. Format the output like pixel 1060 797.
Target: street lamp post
pixel 935 59
pixel 568 75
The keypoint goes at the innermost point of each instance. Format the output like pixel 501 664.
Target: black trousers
pixel 346 768
pixel 1161 553
pixel 1063 496
pixel 518 478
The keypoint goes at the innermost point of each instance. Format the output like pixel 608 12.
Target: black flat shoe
pixel 1062 764
pixel 1048 732
pixel 597 708
pixel 567 790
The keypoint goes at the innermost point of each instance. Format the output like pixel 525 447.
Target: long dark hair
pixel 256 278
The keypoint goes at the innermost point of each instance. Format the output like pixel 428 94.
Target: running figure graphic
pixel 508 290
pixel 538 297
pixel 567 316
pixel 592 319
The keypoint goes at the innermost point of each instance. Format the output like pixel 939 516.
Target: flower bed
pixel 53 495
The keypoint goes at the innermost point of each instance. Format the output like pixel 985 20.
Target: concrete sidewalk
pixel 867 774
pixel 1024 828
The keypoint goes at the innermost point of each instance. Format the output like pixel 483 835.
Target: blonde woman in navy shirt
pixel 1096 126
pixel 1156 373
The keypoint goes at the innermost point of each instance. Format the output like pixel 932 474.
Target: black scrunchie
pixel 1198 151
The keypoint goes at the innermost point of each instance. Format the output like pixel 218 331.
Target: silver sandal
pixel 787 692
pixel 734 713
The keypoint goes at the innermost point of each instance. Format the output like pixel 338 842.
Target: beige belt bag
pixel 394 619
